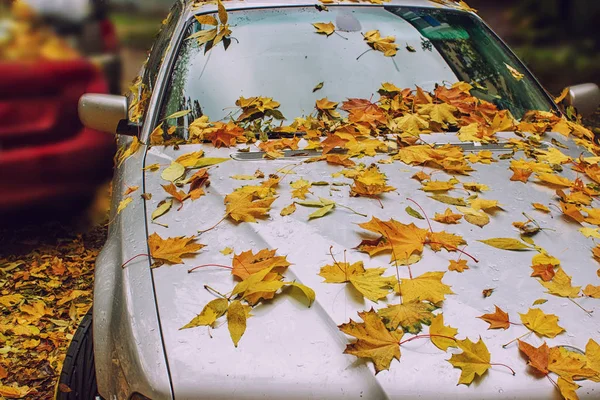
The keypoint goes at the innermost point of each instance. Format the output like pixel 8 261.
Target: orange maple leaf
pixel 225 135
pixel 545 272
pixel 497 320
pixel 537 356
pixel 521 175
pixel 171 250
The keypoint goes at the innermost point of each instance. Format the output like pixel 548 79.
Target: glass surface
pixel 277 53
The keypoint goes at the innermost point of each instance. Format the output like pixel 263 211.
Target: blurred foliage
pixel 558 39
pixel 137 30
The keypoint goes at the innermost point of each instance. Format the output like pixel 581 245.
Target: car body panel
pixel 128 347
pixel 292 351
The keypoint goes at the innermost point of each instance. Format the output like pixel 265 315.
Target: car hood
pixel 296 352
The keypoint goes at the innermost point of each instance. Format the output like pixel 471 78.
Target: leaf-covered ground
pixel 46 281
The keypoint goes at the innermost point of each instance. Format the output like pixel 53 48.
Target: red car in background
pixel 52 52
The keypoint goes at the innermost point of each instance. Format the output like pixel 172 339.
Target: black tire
pixel 79 370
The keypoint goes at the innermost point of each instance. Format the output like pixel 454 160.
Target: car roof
pixel 195 8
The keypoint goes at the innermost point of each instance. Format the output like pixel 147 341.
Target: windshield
pixel 276 53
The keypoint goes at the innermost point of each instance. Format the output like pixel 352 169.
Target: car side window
pixel 142 88
pixel 161 46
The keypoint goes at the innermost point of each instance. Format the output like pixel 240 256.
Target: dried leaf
pixel 374 341
pixel 438 328
pixel 324 29
pixel 497 320
pixel 474 360
pixel 214 310
pixel 409 316
pixel 171 250
pixel 542 324
pixel 236 321
pixel 289 210
pixel 427 287
pixel 413 213
pixel 162 209
pixel 506 244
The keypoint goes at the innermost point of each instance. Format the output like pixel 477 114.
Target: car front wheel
pixel 78 377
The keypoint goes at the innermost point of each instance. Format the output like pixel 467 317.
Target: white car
pixel 323 170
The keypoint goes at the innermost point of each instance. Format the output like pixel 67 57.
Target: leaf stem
pixel 208 265
pixel 514 340
pixel 357 58
pixel 214 226
pixel 505 366
pixel 424 213
pixel 584 310
pixel 343 37
pixel 552 381
pixel 210 289
pixel 133 258
pixel 453 249
pixel 425 337
pixel 354 211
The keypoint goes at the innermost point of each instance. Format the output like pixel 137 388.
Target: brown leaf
pixel 497 320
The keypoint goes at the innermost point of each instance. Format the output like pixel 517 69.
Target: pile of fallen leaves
pixel 23 37
pixel 46 280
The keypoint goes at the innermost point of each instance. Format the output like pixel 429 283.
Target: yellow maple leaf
pixel 567 389
pixel 301 188
pixel 411 123
pixel 131 150
pixel 474 360
pixel 427 287
pixel 592 291
pixel 438 329
pixel 439 186
pixel 400 239
pixel 386 44
pixel 324 28
pixel 542 324
pixel 189 160
pixel 592 355
pixel 289 210
pixel 374 340
pixel 553 156
pixel 369 282
pixel 560 285
pixel 370 182
pixel 514 72
pixel 410 316
pixel 569 365
pixel 214 310
pixel 442 113
pixel 483 204
pixel 171 250
pixel 448 217
pixel 458 266
pixel 553 179
pixel 540 207
pixel 249 203
pixel 248 263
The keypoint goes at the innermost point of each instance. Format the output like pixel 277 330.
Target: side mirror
pixel 585 98
pixel 105 113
